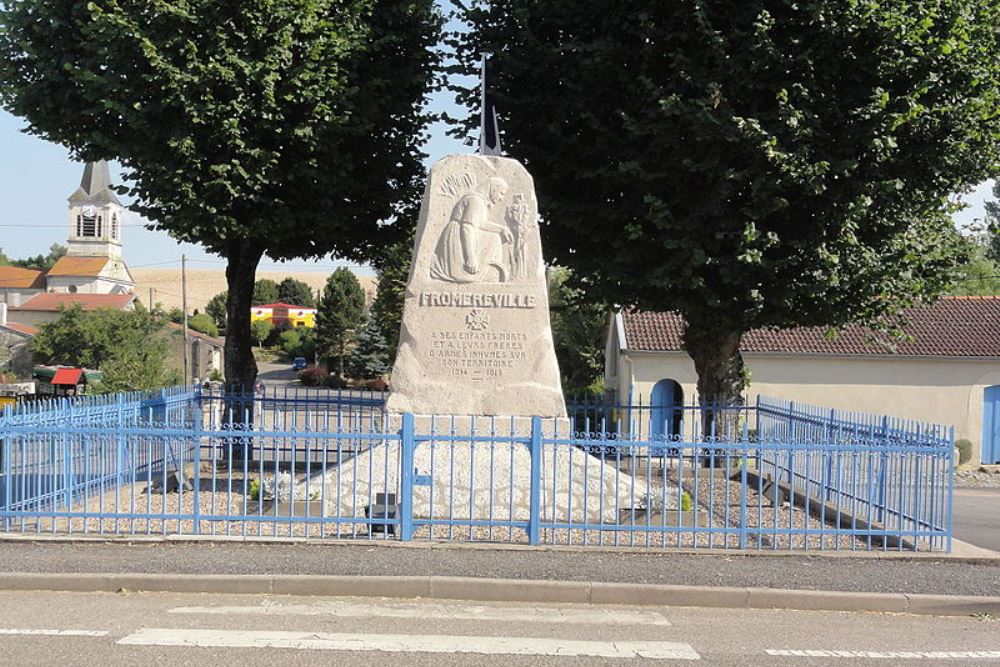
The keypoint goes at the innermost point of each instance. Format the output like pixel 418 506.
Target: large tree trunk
pixel 715 351
pixel 241 270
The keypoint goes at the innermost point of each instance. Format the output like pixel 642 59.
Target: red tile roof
pixel 52 301
pixel 78 266
pixel 212 340
pixel 13 276
pixel 24 329
pixel 279 304
pixel 952 327
pixel 67 376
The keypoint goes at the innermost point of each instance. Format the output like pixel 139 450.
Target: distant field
pixel 203 284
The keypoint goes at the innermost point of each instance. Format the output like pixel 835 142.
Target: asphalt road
pixel 889 575
pixel 182 629
pixel 977 517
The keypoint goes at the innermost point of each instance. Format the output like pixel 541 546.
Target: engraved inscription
pixel 478 355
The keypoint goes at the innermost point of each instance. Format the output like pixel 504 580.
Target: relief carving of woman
pixel 471 248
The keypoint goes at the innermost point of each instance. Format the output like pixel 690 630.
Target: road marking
pixel 54 633
pixel 442 612
pixel 895 655
pixel 409 643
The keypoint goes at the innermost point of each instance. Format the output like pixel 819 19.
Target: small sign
pixel 421 480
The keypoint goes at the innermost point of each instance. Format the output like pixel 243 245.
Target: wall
pixel 20 361
pixel 939 390
pixel 87 285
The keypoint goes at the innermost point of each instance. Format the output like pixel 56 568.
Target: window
pixel 100 227
pixel 115 231
pixel 79 225
pixel 72 289
pixel 89 226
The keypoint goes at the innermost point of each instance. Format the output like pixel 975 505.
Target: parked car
pixel 299 363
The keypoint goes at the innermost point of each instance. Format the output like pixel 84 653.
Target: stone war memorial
pixel 476 358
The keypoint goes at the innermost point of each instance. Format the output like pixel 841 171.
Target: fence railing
pixel 321 464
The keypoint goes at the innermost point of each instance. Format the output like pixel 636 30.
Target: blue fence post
pixel 196 404
pixel 6 481
pixel 951 486
pixel 743 484
pixel 407 443
pixel 535 510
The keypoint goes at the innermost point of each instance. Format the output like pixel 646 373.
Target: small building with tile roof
pixel 946 370
pixel 47 307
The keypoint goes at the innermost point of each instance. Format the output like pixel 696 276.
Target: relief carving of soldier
pixel 472 249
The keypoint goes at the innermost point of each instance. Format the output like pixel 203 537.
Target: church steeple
pixel 95 215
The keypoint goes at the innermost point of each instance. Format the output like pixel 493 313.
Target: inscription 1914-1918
pixel 478 355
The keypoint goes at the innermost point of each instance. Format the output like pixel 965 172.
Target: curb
pixel 962 552
pixel 506 590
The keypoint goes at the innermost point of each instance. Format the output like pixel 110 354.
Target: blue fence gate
pixel 315 463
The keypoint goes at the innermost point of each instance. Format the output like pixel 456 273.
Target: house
pixel 284 313
pixel 46 307
pixel 948 372
pixel 15 351
pixel 18 285
pixel 204 352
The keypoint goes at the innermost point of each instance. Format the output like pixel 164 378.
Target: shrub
pixel 335 382
pixel 964 448
pixel 203 324
pixel 378 384
pixel 686 503
pixel 314 376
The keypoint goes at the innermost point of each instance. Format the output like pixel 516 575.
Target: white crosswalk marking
pixel 589 616
pixel 53 633
pixel 410 643
pixel 876 655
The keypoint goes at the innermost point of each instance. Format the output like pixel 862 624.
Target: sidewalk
pixel 892 575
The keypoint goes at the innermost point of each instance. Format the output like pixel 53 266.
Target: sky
pixel 36 177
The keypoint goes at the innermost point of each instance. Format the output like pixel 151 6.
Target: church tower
pixel 95 216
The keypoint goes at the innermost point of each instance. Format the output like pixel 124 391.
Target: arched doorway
pixel 991 425
pixel 666 409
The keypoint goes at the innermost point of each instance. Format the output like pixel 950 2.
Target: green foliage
pixel 299 342
pixel 314 376
pixel 264 291
pixel 216 375
pixel 746 163
pixel 175 315
pixel 370 357
pixel 341 312
pixel 687 504
pixel 392 266
pixel 129 347
pixel 579 328
pixel 254 490
pixel 291 127
pixel 40 262
pixel 260 330
pixel 964 448
pixel 216 309
pixel 204 324
pixel 993 226
pixel 295 292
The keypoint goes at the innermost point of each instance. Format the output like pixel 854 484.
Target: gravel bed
pixel 978 478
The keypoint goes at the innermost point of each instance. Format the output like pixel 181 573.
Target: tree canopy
pixel 128 347
pixel 265 290
pixel 340 314
pixel 296 293
pixel 286 127
pixel 747 163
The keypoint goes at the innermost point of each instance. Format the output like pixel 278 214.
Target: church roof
pixel 16 277
pixel 79 266
pixel 95 186
pixel 53 301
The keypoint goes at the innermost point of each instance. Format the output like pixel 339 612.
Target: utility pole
pixel 184 307
pixel 151 304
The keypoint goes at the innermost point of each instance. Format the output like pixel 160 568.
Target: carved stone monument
pixel 476 357
pixel 475 337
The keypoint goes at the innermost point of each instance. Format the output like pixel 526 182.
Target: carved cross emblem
pixel 477 320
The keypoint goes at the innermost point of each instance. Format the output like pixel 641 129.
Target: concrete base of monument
pixel 491 479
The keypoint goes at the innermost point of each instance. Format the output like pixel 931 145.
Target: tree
pixel 261 330
pixel 216 309
pixel 579 328
pixel 128 347
pixel 175 315
pixel 392 266
pixel 341 312
pixel 286 127
pixel 296 293
pixel 204 324
pixel 993 225
pixel 370 356
pixel 747 163
pixel 39 262
pixel 264 291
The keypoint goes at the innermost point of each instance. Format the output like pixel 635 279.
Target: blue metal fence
pixel 320 464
